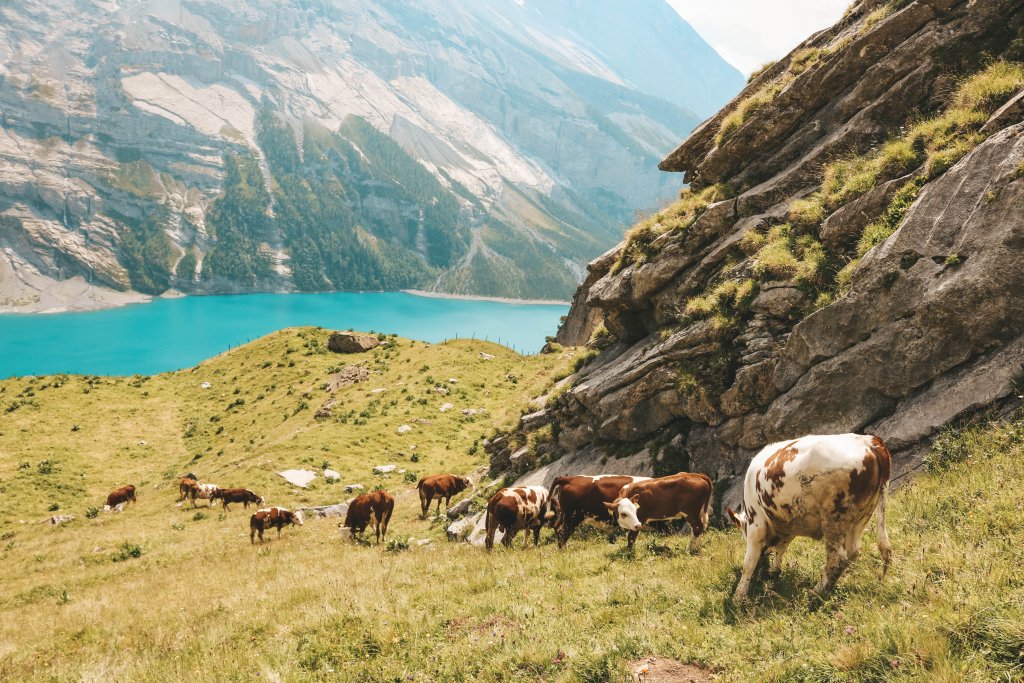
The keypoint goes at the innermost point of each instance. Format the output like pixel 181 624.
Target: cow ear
pixel 613 505
pixel 636 499
pixel 732 516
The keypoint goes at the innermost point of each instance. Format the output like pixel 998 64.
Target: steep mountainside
pixel 487 147
pixel 846 258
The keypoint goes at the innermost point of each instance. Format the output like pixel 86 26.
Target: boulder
pixel 460 529
pixel 460 508
pixel 351 342
pixel 60 519
pixel 298 477
pixel 404 429
pixel 384 469
pixel 350 374
pixel 445 407
pixel 336 510
pixel 354 488
pixel 331 475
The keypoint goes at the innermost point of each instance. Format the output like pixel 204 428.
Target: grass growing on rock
pixel 760 99
pixel 194 600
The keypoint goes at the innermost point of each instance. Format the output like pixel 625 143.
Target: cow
pixel 243 496
pixel 822 487
pixel 575 498
pixel 377 504
pixel 682 495
pixel 120 496
pixel 185 484
pixel 441 486
pixel 514 509
pixel 272 518
pixel 207 492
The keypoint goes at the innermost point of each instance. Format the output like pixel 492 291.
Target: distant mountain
pixel 478 146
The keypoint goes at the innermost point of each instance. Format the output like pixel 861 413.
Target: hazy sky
pixel 748 33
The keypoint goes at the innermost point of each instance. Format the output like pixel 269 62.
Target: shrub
pixel 92 512
pixel 807 212
pixel 990 88
pixel 54 507
pixel 410 478
pixel 397 544
pixel 127 551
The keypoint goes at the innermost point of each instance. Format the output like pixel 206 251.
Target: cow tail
pixel 419 484
pixel 558 483
pixel 883 536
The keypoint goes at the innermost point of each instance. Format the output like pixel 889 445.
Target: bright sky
pixel 748 33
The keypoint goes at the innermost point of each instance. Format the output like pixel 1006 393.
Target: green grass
pixel 191 599
pixel 677 217
pixel 760 99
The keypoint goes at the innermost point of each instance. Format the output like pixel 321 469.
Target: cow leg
pixel 697 527
pixel 777 552
pixel 564 527
pixel 506 540
pixel 883 536
pixel 225 503
pixel 536 534
pixel 631 538
pixel 755 547
pixel 836 561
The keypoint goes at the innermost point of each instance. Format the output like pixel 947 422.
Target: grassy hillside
pixel 199 603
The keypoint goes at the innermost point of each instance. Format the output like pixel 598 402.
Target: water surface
pixel 169 334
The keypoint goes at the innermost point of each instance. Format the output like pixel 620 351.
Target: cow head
pixel 297 517
pixel 260 500
pixel 625 510
pixel 738 518
pixel 347 535
pixel 464 483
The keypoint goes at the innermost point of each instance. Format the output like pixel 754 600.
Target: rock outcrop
pixel 863 273
pixel 351 342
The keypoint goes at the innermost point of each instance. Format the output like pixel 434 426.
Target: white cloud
pixel 748 33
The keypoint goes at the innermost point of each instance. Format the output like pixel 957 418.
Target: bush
pixel 410 478
pixel 127 551
pixel 92 512
pixel 397 544
pixel 53 507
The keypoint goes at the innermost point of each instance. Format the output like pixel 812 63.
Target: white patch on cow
pixel 625 514
pixel 298 517
pixel 347 536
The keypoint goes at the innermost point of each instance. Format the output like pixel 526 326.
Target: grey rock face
pixel 930 330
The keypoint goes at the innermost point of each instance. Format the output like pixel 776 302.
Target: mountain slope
pixel 526 136
pixel 846 258
pixel 88 599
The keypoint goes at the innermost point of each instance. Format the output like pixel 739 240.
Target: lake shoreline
pixel 492 299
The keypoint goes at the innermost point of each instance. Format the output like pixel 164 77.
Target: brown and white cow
pixel 512 510
pixel 823 487
pixel 441 486
pixel 272 518
pixel 582 496
pixel 207 492
pixel 377 505
pixel 684 495
pixel 120 496
pixel 243 496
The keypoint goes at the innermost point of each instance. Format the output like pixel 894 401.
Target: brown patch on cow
pixel 767 500
pixel 881 452
pixel 775 464
pixel 663 670
pixel 838 506
pixel 531 495
pixel 865 483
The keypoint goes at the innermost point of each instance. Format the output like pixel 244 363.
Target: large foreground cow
pixel 514 509
pixel 823 487
pixel 582 496
pixel 440 486
pixel 683 495
pixel 376 506
pixel 119 496
pixel 272 518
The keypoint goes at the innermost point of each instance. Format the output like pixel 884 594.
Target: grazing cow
pixel 243 496
pixel 207 492
pixel 682 495
pixel 514 509
pixel 185 484
pixel 120 496
pixel 441 486
pixel 575 498
pixel 378 504
pixel 272 518
pixel 823 487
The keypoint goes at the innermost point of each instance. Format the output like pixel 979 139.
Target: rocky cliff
pixel 847 257
pixel 486 147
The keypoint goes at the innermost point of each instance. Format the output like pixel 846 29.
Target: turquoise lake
pixel 169 334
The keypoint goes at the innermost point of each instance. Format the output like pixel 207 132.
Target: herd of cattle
pixel 822 487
